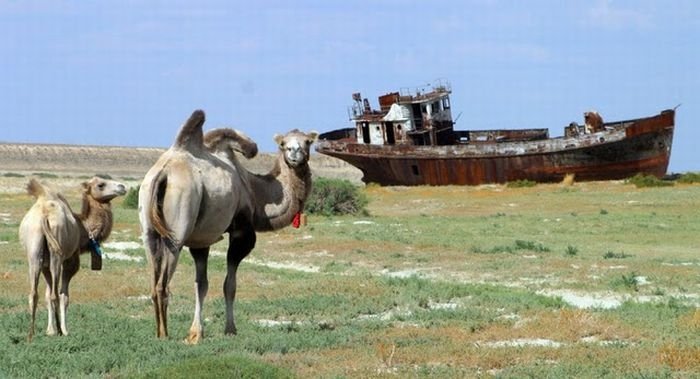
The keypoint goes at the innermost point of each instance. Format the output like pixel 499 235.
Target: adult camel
pixel 197 191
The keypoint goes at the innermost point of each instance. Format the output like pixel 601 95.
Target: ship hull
pixel 624 149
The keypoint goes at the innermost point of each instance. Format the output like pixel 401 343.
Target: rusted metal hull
pixel 623 149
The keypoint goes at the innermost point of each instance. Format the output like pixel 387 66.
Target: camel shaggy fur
pixel 53 238
pixel 197 191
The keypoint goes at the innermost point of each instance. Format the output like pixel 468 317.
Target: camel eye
pixel 101 186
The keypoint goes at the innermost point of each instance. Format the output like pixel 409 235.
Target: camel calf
pixel 53 238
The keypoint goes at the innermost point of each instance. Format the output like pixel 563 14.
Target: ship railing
pixel 438 85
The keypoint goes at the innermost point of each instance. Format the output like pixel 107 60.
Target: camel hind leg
pixel 34 273
pixel 163 255
pixel 37 252
pixel 201 287
pixel 52 275
pixel 241 243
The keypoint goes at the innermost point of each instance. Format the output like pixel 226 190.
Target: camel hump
pixel 35 188
pixel 235 140
pixel 191 135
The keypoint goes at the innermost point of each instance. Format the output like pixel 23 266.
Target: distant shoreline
pixel 131 161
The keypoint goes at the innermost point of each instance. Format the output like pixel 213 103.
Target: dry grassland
pixel 591 280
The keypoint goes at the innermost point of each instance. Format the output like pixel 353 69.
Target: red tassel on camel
pixel 296 221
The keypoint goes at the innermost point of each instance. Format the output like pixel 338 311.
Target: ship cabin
pixel 419 117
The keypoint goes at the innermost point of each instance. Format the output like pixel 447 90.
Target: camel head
pixel 295 146
pixel 103 190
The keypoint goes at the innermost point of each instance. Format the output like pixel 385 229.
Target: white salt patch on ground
pixel 678 264
pixel 520 342
pixel 140 297
pixel 585 301
pixel 217 253
pixel 364 222
pixel 121 257
pixel 436 306
pixel 122 245
pixel 272 323
pixel 386 316
pixel 285 265
pixel 402 274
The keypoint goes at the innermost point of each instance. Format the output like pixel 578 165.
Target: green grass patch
pixel 523 183
pixel 646 181
pixel 518 245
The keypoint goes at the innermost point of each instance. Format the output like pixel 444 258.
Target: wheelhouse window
pixel 445 103
pixel 435 108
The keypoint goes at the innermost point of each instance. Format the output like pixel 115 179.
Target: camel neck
pixel 96 218
pixel 280 195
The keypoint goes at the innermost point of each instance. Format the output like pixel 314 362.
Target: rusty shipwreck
pixel 411 140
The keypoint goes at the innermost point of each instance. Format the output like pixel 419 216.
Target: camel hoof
pixel 193 338
pixel 231 331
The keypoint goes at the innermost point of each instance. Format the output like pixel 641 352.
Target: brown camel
pixel 53 238
pixel 197 191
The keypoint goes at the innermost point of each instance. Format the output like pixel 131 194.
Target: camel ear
pixel 279 140
pixel 85 187
pixel 313 136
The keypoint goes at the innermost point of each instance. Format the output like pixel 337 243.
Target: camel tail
pixel 191 134
pixel 156 209
pixel 35 188
pixel 50 234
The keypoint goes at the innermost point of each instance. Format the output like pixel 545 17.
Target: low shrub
pixel 645 180
pixel 331 197
pixel 521 183
pixel 131 200
pixel 45 175
pixel 689 178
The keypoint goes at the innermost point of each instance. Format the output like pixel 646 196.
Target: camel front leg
pixel 201 287
pixel 229 297
pixel 70 267
pixel 241 242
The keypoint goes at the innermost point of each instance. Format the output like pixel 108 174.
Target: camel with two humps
pixel 53 238
pixel 198 190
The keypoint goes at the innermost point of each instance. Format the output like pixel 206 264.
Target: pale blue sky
pixel 130 72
